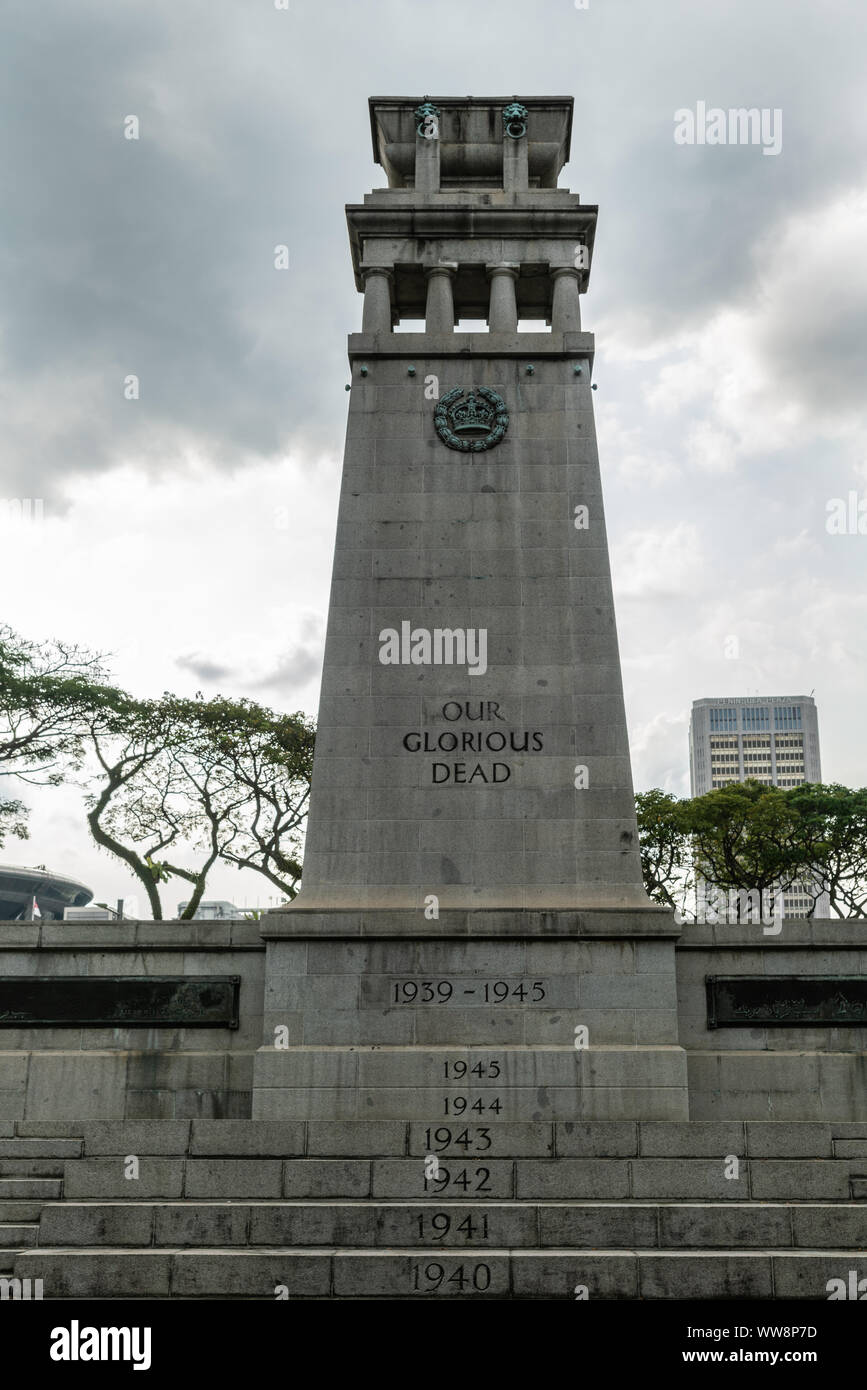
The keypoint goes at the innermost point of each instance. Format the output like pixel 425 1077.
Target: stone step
pixel 299 1273
pixel 395 1138
pixel 44 1188
pixel 16 1237
pixel 772 1225
pixel 477 1177
pixel 39 1148
pixel 49 1129
pixel 32 1167
pixel 16 1212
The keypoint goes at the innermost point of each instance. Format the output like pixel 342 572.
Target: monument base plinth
pixel 475 1017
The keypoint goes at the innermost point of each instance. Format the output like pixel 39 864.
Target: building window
pixel 787 716
pixel 723 719
pixel 756 717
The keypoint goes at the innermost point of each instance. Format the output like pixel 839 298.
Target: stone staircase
pixel 244 1209
pixel 31 1174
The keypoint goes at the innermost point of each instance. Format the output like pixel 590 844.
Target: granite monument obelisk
pixel 472 894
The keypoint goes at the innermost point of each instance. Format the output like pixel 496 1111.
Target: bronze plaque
pixel 119 1001
pixel 786 1001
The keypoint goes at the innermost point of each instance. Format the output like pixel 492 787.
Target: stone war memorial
pixel 472 1060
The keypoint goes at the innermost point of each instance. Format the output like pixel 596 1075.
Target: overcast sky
pixel 190 532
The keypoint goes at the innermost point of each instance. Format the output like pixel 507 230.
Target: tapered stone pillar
pixel 472 928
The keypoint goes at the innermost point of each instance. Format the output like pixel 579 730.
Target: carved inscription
pixel 451 1278
pixel 462 739
pixel 467 991
pixel 439 1226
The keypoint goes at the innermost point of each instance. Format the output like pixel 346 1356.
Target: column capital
pixel 557 270
pixel 377 270
pixel 449 268
pixel 512 268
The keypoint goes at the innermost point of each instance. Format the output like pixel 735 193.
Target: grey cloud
pixel 293 671
pixel 287 677
pixel 203 668
pixel 156 257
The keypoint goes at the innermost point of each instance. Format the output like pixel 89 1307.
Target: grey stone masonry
pixel 516 1027
pixel 472 739
pixel 84 1072
pixel 780 1072
pixel 539 988
pixel 323 1210
pixel 497 778
pixel 471 874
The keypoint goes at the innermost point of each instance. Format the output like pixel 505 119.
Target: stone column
pixel 566 306
pixel 440 308
pixel 503 308
pixel 376 316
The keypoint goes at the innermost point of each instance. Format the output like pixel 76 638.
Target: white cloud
pixel 659 562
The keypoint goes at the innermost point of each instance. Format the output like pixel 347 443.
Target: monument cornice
pixel 399 346
pixel 535 105
pixel 475 923
pixel 456 219
pixel 545 238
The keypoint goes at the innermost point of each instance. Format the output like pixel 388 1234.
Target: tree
pixel 13 821
pixel 664 847
pixel 834 831
pixel 202 780
pixel 263 763
pixel 758 839
pixel 47 690
pixel 136 810
pixel 746 836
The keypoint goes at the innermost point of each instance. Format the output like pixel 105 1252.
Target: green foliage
pixel 752 837
pixel 663 845
pixel 746 836
pixel 13 821
pixel 205 780
pixel 48 690
pixel 834 830
pixel 173 784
